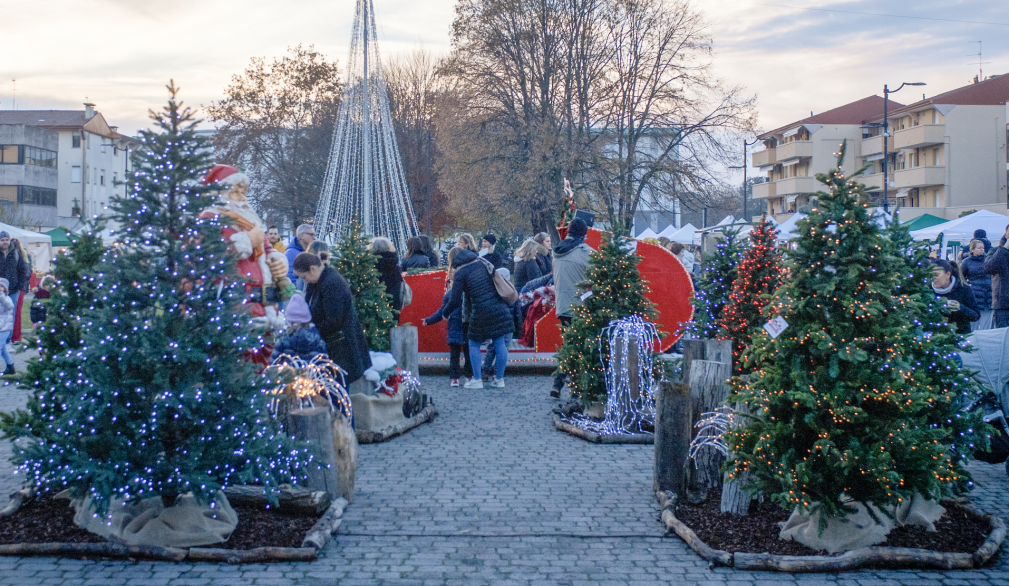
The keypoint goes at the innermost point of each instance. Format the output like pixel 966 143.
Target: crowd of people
pixel 975 287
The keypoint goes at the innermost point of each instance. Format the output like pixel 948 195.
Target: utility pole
pixel 886 141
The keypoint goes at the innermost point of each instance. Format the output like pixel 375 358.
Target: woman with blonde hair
pixel 544 259
pixel 526 266
pixel 467 242
pixel 456 335
pixel 389 270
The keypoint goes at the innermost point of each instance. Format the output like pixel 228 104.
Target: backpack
pixel 405 294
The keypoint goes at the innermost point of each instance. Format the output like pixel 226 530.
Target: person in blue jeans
pixel 490 317
pixel 6 324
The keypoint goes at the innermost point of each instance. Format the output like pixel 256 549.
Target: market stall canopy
pixel 684 235
pixel 669 231
pixel 789 229
pixel 962 229
pixel 923 221
pixel 648 233
pixel 38 245
pixel 59 237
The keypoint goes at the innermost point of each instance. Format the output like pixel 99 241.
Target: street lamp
pixel 886 137
pixel 745 165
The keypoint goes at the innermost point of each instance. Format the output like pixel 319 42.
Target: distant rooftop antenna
pixel 980 74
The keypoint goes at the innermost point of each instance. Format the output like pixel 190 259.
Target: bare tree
pixel 276 122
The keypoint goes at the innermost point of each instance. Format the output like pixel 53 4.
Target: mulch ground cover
pixel 758 532
pixel 52 521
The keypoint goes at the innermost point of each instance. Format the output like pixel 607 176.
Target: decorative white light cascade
pixel 365 179
pixel 627 411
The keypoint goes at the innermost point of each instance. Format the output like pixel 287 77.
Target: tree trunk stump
pixel 345 453
pixel 404 348
pixel 735 500
pixel 315 426
pixel 708 391
pixel 710 350
pixel 672 436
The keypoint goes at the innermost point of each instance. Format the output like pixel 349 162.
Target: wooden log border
pixel 598 438
pixel 426 415
pixel 888 557
pixel 315 539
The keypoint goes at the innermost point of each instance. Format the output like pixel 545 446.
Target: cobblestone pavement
pixel 490 493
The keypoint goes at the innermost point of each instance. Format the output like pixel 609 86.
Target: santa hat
pixel 225 175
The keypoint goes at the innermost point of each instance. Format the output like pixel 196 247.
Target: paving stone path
pixel 490 493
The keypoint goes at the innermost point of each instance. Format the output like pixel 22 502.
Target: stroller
pixel 990 359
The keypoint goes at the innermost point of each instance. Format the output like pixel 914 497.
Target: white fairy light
pixel 318 377
pixel 711 431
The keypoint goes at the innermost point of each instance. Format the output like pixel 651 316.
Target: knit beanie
pixel 297 311
pixel 577 228
pixel 490 238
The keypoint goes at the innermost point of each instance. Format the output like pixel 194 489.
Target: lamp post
pixel 745 165
pixel 886 138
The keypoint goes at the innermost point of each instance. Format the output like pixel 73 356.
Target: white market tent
pixel 684 235
pixel 669 231
pixel 962 229
pixel 648 233
pixel 38 245
pixel 789 229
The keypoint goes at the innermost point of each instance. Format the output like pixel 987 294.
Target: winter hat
pixel 577 228
pixel 6 284
pixel 490 238
pixel 978 234
pixel 4 234
pixel 297 311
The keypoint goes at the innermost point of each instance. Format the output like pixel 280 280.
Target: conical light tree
pixel 860 395
pixel 158 398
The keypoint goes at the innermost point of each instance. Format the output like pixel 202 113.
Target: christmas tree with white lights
pixel 859 397
pixel 159 401
pixel 713 286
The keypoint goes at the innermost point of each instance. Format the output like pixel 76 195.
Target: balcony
pixel 794 150
pixel 796 185
pixel 918 136
pixel 873 181
pixel 764 158
pixel 920 176
pixel 871 146
pixel 764 190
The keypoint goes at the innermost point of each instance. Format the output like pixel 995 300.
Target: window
pixel 9 193
pixel 75 141
pixel 88 138
pixel 40 157
pixel 87 174
pixel 75 174
pixel 103 177
pixel 37 196
pixel 10 154
pixel 115 177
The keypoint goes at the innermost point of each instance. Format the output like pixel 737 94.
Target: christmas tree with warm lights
pixel 617 291
pixel 757 276
pixel 371 301
pixel 713 286
pixel 861 394
pixel 159 401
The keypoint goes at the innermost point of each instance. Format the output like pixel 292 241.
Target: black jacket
pixel 978 279
pixel 433 257
pixel 333 313
pixel 525 271
pixel 996 264
pixel 968 307
pixel 494 259
pixel 546 263
pixel 417 261
pixel 391 276
pixel 14 269
pixel 490 317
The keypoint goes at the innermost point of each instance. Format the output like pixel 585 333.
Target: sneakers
pixel 474 384
pixel 454 382
pixel 497 383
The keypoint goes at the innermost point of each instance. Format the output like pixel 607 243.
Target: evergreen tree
pixel 371 301
pixel 159 401
pixel 713 286
pixel 757 276
pixel 617 291
pixel 861 393
pixel 60 335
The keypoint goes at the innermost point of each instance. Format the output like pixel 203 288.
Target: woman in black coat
pixel 490 317
pixel 978 279
pixel 527 268
pixel 389 271
pixel 332 305
pixel 959 298
pixel 429 251
pixel 415 257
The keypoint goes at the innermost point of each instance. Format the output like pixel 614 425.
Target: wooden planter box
pixel 302 499
pixel 891 557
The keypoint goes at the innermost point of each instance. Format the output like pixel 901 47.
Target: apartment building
pixel 793 154
pixel 92 157
pixel 28 174
pixel 947 153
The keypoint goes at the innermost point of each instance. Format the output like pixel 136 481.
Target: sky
pixel 796 56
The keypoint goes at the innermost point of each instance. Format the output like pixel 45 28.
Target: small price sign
pixel 586 295
pixel 776 326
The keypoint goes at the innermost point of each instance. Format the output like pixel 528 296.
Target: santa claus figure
pixel 264 269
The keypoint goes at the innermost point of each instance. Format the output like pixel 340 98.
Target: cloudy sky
pixel 797 56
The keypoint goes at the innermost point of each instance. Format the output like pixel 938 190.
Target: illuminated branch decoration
pixel 301 381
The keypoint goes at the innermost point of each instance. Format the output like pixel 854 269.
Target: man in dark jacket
pixel 996 264
pixel 571 261
pixel 981 235
pixel 331 304
pixel 304 236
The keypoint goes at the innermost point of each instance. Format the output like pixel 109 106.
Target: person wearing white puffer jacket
pixel 6 324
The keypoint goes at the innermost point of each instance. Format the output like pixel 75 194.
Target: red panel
pixel 670 289
pixel 548 333
pixel 428 290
